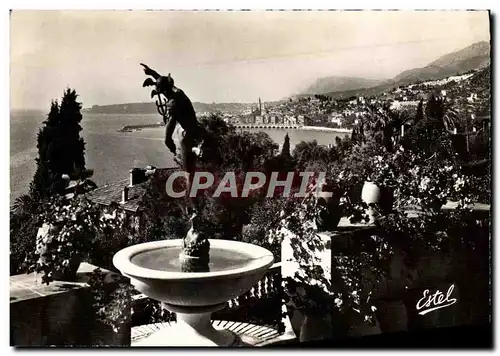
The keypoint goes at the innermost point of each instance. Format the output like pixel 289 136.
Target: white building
pixel 472 98
pixel 396 104
pixel 335 118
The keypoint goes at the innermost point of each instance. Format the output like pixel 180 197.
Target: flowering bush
pixel 430 183
pixel 66 237
pixel 310 288
pixel 354 279
pixel 424 182
pixel 367 161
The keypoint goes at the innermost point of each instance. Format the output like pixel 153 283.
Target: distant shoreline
pixel 139 127
pixel 130 128
pixel 321 128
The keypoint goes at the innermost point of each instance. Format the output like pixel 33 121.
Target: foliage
pixel 60 151
pixel 150 311
pixel 60 148
pixel 45 181
pixel 25 219
pixel 383 125
pixel 265 216
pixel 112 303
pixel 419 115
pixel 108 241
pixel 423 172
pixel 307 154
pixel 226 150
pixel 71 227
pixel 163 217
pixel 79 230
pixel 315 288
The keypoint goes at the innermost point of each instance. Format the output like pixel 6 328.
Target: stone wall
pixel 59 314
pixel 397 294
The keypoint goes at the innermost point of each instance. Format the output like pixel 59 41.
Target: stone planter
pixel 69 273
pixel 328 218
pixel 374 194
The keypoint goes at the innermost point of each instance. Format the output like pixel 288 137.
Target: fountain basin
pixel 154 270
pixel 234 269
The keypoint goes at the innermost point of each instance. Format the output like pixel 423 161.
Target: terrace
pixel 60 314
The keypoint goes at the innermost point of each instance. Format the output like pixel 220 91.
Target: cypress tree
pixel 42 184
pixel 435 111
pixel 420 111
pixel 61 150
pixel 69 148
pixel 285 150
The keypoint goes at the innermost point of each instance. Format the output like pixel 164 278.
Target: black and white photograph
pixel 250 178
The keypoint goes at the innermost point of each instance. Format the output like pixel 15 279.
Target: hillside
pixel 334 84
pixel 475 56
pixel 472 52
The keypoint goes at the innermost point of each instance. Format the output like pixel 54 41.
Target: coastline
pixel 321 128
pixel 139 127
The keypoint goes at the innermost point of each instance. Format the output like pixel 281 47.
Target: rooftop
pixel 112 193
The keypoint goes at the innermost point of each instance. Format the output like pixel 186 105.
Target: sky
pixel 221 56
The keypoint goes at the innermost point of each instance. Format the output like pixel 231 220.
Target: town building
pixel 126 196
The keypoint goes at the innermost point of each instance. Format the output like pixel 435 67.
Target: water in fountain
pixel 167 259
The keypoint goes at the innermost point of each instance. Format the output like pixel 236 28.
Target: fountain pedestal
pixel 193 330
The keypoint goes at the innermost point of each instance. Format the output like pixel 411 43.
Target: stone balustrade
pixel 398 292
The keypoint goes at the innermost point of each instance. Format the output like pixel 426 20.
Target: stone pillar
pixel 296 254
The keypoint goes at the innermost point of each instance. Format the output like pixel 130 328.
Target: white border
pixel 255 4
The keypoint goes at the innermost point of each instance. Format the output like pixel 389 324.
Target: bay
pixel 110 153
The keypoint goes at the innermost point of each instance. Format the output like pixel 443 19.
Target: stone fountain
pixel 194 276
pixel 154 268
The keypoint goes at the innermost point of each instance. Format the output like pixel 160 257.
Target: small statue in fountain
pixel 195 248
pixel 178 109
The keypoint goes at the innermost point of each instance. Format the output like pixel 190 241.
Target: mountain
pixel 469 56
pixel 333 84
pixel 473 57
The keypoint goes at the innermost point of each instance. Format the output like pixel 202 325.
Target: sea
pixel 112 154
